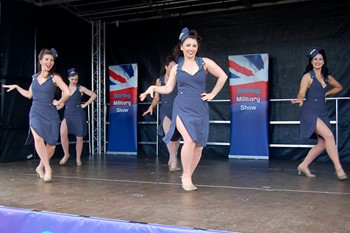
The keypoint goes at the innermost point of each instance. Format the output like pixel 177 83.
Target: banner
pixel 249 106
pixel 123 96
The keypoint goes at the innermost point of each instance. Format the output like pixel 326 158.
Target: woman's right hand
pixel 149 91
pixel 300 102
pixel 10 87
pixel 149 110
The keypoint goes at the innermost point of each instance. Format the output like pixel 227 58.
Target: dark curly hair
pixel 193 35
pixel 42 53
pixel 324 69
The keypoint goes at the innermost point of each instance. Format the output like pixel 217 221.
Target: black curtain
pixel 25 30
pixel 16 49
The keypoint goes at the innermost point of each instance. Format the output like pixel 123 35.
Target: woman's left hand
pixel 149 91
pixel 207 96
pixel 55 102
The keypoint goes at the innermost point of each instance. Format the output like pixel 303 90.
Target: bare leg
pixel 42 151
pixel 331 148
pixel 325 141
pixel 50 151
pixel 79 149
pixel 313 154
pixel 64 141
pixel 187 156
pixel 196 158
pixel 172 146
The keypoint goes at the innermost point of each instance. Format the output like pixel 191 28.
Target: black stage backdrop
pixel 284 32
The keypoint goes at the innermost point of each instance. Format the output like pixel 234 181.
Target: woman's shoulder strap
pixel 180 63
pixel 34 76
pixel 161 79
pixel 312 74
pixel 327 78
pixel 200 62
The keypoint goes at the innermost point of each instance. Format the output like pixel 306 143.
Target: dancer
pixel 165 111
pixel 316 83
pixel 190 111
pixel 74 121
pixel 43 116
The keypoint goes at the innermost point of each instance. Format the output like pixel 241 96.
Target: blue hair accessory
pixel 184 34
pixel 72 72
pixel 54 53
pixel 312 52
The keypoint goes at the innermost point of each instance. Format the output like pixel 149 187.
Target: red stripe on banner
pixel 262 86
pixel 127 94
pixel 117 77
pixel 239 68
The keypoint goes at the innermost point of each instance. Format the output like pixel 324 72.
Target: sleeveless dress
pixel 75 115
pixel 43 115
pixel 188 105
pixel 314 107
pixel 166 106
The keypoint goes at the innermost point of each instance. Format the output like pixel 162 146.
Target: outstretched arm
pixel 169 87
pixel 149 91
pixel 154 101
pixel 26 93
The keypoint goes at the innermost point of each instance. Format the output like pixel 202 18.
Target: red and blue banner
pixel 249 106
pixel 123 96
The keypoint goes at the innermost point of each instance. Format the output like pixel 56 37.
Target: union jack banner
pixel 123 95
pixel 249 106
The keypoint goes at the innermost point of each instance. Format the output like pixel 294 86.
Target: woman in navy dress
pixel 166 112
pixel 315 85
pixel 43 117
pixel 74 121
pixel 190 111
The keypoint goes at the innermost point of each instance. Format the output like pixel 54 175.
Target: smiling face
pixel 47 62
pixel 189 47
pixel 318 61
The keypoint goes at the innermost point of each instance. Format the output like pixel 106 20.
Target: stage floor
pixel 233 195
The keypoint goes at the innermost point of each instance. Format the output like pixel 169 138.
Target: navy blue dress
pixel 314 107
pixel 188 105
pixel 75 115
pixel 166 106
pixel 43 115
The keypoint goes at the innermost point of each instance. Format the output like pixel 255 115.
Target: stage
pixel 233 195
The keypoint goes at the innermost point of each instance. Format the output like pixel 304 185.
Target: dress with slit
pixel 166 106
pixel 75 115
pixel 314 107
pixel 188 105
pixel 43 115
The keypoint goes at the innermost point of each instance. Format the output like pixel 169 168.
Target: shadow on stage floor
pixel 233 195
